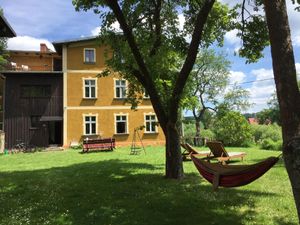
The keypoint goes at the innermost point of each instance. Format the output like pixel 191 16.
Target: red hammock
pixel 232 175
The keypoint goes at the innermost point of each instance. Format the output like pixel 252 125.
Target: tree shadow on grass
pixel 117 192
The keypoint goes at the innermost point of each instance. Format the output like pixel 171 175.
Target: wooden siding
pixel 18 110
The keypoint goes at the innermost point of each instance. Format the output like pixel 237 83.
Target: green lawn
pixel 120 189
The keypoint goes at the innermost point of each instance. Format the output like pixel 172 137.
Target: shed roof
pixel 5 28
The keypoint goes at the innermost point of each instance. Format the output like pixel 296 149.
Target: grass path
pixel 120 189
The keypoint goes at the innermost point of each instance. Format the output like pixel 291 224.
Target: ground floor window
pixel 90 123
pixel 121 124
pixel 150 123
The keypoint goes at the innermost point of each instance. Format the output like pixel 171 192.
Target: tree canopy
pixel 208 87
pixel 155 53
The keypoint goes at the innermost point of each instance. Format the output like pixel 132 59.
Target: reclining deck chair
pixel 188 150
pixel 221 154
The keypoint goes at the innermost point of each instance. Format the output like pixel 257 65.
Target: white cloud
pixel 27 43
pixel 296 40
pixel 55 19
pixel 262 89
pixel 294 21
pixel 96 31
pixel 115 26
pixel 231 37
pixel 297 67
pixel 233 40
pixel 181 20
pixel 236 77
pixel 230 3
pixel 298 70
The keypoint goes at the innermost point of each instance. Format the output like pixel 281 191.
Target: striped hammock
pixel 232 175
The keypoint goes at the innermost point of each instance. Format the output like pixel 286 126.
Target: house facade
pixel 33 98
pixel 96 106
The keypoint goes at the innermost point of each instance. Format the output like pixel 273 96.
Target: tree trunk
pixel 197 123
pixel 287 90
pixel 197 135
pixel 174 168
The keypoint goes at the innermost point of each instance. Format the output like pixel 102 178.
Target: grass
pixel 115 188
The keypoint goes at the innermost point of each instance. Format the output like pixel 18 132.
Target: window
pixel 89 88
pixel 35 121
pixel 35 91
pixel 89 55
pixel 90 123
pixel 150 124
pixel 146 95
pixel 121 124
pixel 120 88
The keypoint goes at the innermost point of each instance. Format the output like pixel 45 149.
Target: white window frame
pixel 126 125
pixel 146 95
pixel 90 122
pixel 84 56
pixel 120 86
pixel 90 86
pixel 150 121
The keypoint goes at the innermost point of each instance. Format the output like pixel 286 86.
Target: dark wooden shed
pixel 33 108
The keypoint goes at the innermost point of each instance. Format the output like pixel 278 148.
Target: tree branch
pixel 143 75
pixel 191 56
pixel 157 23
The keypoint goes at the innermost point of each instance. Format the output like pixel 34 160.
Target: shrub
pixel 207 134
pixel 189 132
pixel 233 129
pixel 269 144
pixel 262 132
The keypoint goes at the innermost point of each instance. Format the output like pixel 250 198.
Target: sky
pixel 37 21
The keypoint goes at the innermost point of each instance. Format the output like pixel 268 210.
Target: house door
pixel 55 132
pixel 39 135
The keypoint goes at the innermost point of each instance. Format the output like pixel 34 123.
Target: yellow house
pixel 95 106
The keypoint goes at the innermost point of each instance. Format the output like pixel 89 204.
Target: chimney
pixel 43 48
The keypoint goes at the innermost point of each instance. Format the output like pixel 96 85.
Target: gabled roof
pixel 58 44
pixel 5 29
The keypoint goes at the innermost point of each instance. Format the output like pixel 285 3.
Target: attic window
pixel 89 55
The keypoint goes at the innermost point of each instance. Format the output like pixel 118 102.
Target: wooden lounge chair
pixel 188 150
pixel 221 154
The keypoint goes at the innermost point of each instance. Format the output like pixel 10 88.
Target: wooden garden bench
pixel 98 144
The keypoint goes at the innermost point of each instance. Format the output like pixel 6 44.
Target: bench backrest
pixel 100 141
